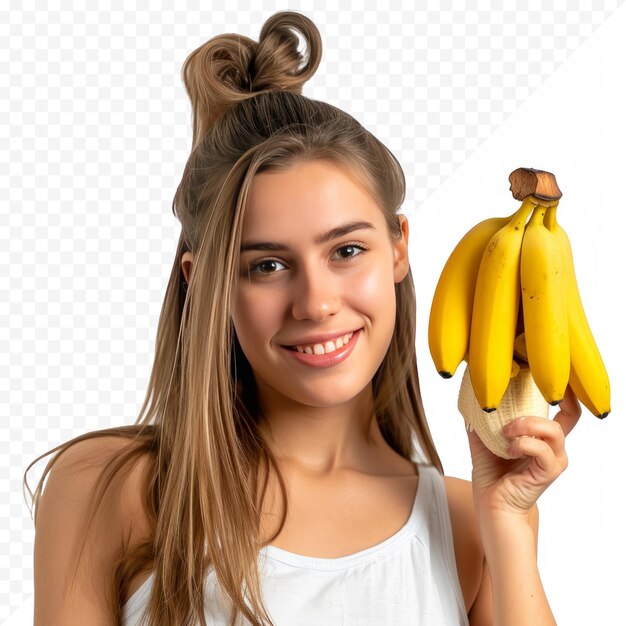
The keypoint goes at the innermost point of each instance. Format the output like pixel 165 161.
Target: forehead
pixel 307 198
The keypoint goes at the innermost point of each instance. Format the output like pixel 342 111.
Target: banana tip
pixel 555 402
pixel 445 374
pixel 488 409
pixel 603 415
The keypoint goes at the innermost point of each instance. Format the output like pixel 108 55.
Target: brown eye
pixel 254 268
pixel 348 248
pixel 352 247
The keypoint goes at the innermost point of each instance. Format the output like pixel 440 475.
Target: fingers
pixel 534 426
pixel 541 438
pixel 570 411
pixel 549 462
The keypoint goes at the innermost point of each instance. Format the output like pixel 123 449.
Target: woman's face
pixel 313 286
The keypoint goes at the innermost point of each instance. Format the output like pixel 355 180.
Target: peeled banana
pixel 522 397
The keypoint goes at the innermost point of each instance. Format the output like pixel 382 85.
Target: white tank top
pixel 408 579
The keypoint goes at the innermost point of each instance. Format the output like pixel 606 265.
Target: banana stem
pixel 521 215
pixel 549 219
pixel 538 214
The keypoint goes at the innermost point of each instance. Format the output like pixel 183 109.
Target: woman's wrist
pixel 510 548
pixel 499 514
pixel 506 534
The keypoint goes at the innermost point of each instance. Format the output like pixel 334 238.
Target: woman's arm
pixel 59 530
pixel 518 596
pixel 482 610
pixel 505 495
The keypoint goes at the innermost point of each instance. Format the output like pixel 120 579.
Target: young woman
pixel 281 470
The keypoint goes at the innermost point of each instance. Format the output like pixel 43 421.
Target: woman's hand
pixel 505 487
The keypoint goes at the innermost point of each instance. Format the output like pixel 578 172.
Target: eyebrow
pixel 334 233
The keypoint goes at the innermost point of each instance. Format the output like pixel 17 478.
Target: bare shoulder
pixel 87 455
pixel 468 546
pixel 74 560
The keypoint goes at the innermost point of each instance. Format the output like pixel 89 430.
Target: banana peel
pixel 522 397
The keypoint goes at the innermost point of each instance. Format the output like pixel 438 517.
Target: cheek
pixel 254 315
pixel 374 284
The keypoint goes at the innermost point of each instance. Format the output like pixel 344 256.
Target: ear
pixel 186 264
pixel 401 251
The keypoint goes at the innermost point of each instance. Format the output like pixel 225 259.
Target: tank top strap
pixel 418 521
pixel 434 529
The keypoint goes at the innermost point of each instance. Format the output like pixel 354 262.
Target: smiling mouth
pixel 327 347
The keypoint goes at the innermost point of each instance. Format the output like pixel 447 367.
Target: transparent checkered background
pixel 96 129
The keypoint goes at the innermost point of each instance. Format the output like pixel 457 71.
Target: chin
pixel 327 394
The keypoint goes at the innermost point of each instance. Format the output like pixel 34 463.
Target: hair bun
pixel 229 67
pixel 277 61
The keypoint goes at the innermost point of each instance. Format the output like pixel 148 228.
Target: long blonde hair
pixel 198 422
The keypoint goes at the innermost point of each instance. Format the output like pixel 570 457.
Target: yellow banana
pixel 588 379
pixel 451 309
pixel 545 308
pixel 495 309
pixel 515 366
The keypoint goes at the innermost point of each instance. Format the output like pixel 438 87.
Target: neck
pixel 324 441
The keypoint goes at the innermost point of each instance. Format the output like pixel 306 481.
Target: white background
pixel 98 127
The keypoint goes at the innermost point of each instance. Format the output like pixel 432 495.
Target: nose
pixel 315 294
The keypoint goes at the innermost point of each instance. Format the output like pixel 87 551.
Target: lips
pixel 319 339
pixel 328 346
pixel 327 359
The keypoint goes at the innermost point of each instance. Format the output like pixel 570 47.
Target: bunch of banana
pixel 507 302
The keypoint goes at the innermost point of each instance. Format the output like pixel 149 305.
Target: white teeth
pixel 329 346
